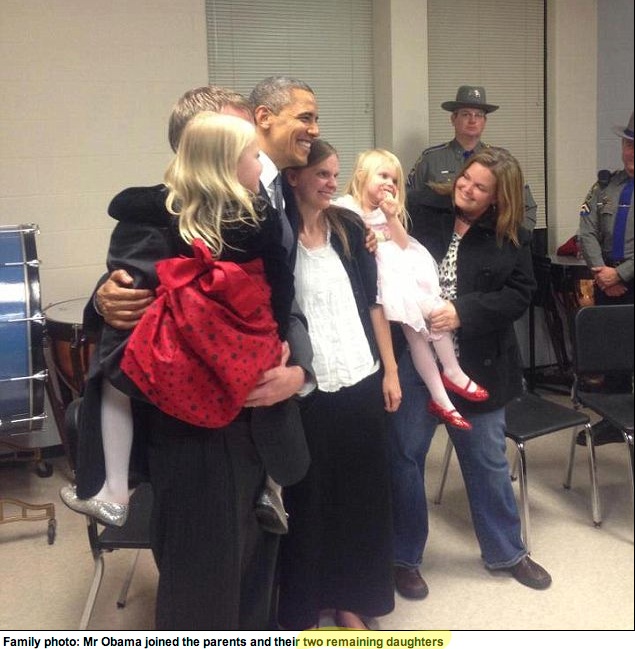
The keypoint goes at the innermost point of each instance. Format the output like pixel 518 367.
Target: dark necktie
pixel 278 198
pixel 467 154
pixel 619 226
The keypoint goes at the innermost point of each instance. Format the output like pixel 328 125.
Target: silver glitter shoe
pixel 106 512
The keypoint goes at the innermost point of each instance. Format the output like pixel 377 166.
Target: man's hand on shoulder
pixel 121 305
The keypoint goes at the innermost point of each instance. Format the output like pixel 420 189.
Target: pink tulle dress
pixel 407 279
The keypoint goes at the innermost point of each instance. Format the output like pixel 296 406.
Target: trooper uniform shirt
pixel 442 163
pixel 597 220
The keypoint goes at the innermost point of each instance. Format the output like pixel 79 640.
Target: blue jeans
pixel 481 454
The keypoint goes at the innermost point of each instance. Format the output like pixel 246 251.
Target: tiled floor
pixel 45 586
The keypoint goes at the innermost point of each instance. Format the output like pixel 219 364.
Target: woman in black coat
pixel 473 230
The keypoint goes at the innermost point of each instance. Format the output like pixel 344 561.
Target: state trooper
pixel 606 228
pixel 442 162
pixel 605 235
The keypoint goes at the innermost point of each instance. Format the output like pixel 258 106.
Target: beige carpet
pixel 44 587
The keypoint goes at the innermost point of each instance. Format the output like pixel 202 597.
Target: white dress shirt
pixel 267 177
pixel 341 352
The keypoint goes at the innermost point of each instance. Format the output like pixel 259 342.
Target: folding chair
pixel 134 535
pixel 603 342
pixel 528 417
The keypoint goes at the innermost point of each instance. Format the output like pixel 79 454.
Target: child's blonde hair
pixel 366 165
pixel 202 179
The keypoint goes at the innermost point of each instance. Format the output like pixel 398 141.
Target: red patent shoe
pixel 452 417
pixel 478 394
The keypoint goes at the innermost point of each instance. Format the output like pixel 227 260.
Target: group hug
pixel 277 346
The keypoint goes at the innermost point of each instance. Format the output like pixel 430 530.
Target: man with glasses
pixel 442 162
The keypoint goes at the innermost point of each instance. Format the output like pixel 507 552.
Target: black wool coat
pixel 495 284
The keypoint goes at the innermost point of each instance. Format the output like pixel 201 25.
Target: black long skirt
pixel 338 553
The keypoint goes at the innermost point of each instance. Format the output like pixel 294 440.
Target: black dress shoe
pixel 409 583
pixel 529 573
pixel 603 433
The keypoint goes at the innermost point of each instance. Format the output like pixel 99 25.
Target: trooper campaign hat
pixel 470 97
pixel 625 131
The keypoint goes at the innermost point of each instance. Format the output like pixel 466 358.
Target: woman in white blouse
pixel 338 553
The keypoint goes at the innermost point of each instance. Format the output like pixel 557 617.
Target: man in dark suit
pixel 190 587
pixel 286 117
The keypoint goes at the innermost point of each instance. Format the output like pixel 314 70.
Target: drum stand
pixel 28 511
pixel 562 290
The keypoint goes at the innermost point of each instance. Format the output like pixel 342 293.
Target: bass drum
pixel 22 373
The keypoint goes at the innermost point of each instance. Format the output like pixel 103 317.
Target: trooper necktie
pixel 278 198
pixel 619 226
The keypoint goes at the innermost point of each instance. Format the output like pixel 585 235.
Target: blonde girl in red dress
pixel 221 311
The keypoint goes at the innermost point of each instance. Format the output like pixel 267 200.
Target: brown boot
pixel 409 583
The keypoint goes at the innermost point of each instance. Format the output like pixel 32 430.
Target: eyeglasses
pixel 471 114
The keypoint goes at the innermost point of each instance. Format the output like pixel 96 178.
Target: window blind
pixel 498 45
pixel 327 44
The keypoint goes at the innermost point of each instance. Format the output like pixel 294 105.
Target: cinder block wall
pixel 87 87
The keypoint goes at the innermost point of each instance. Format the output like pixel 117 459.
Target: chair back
pixel 603 339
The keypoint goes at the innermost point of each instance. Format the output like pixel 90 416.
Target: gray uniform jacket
pixel 597 217
pixel 441 164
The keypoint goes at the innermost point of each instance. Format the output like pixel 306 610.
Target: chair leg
pixel 123 595
pixel 513 473
pixel 593 473
pixel 569 473
pixel 629 442
pixel 92 593
pixel 524 500
pixel 447 456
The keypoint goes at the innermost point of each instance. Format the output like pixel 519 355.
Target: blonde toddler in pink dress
pixel 408 281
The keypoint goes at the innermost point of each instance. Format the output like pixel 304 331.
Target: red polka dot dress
pixel 206 340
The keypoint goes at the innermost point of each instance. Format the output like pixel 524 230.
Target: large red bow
pixel 203 344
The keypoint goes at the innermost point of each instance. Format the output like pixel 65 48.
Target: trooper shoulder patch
pixel 585 210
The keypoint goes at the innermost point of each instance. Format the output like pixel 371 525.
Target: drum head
pixel 64 318
pixel 21 331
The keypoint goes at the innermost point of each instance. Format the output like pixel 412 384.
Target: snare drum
pixel 69 346
pixel 22 373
